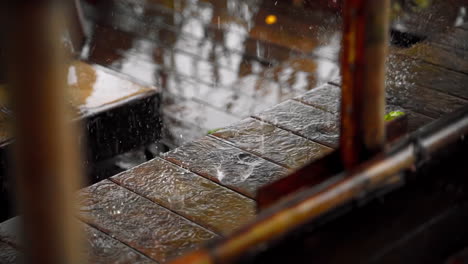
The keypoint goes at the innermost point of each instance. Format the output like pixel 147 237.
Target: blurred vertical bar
pixel 47 167
pixel 365 47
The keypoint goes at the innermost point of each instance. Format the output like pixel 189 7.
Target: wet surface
pixel 99 247
pixel 8 255
pixel 217 55
pixel 92 86
pixel 405 91
pixel 138 222
pixel 304 120
pixel 199 199
pixel 426 75
pixel 9 232
pixel 415 120
pixel 104 249
pixel 327 98
pixel 272 143
pixel 217 62
pixel 455 38
pixel 437 55
pixel 226 164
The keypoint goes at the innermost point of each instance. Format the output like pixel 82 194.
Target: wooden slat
pixel 138 222
pixel 455 38
pixel 304 120
pixel 410 96
pixel 8 255
pixel 272 143
pixel 422 100
pixel 99 248
pixel 408 72
pixel 436 54
pixel 103 249
pixel 196 198
pixel 9 232
pixel 226 164
pixel 327 97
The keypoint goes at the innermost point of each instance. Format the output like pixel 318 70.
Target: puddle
pixel 236 57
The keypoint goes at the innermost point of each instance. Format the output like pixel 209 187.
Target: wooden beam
pixel 365 45
pixel 47 170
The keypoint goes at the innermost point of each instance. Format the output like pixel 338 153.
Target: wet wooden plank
pixel 436 54
pixel 102 98
pixel 196 198
pixel 9 232
pixel 223 163
pixel 407 71
pixel 304 120
pixel 415 120
pixel 103 249
pixel 455 38
pixel 429 102
pixel 138 222
pixel 327 97
pixel 99 247
pixel 413 97
pixel 272 143
pixel 8 255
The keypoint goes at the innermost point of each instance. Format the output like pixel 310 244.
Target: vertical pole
pixel 47 168
pixel 365 45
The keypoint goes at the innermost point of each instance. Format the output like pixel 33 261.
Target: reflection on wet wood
pixel 223 163
pixel 138 222
pixel 272 143
pixel 188 194
pixel 304 120
pixel 202 115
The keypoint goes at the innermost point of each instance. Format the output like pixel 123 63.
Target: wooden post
pixel 47 165
pixel 365 45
